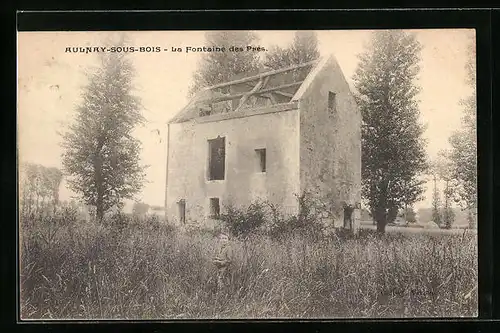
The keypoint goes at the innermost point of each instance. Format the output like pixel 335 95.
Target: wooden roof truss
pixel 269 88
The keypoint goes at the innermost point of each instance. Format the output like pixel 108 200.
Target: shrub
pixel 243 222
pixel 307 222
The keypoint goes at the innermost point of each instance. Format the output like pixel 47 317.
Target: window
pixel 261 158
pixel 214 208
pixel 181 204
pixel 332 101
pixel 216 158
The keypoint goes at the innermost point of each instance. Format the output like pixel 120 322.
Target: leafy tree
pixel 54 178
pixel 437 171
pixel 100 155
pixel 304 48
pixel 218 67
pixel 436 204
pixel 463 153
pixel 448 213
pixel 444 171
pixel 393 156
pixel 39 187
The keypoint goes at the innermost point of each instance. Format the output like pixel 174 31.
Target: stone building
pixel 270 136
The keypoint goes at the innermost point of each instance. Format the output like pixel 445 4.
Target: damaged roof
pixel 266 89
pixel 261 90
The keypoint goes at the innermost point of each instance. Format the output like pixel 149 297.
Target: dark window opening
pixel 205 112
pixel 261 155
pixel 214 208
pixel 332 101
pixel 182 210
pixel 216 159
pixel 348 217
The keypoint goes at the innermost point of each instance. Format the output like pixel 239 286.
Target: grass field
pixel 146 270
pixel 422 231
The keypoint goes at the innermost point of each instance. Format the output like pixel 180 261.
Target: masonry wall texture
pixel 277 132
pixel 308 149
pixel 330 143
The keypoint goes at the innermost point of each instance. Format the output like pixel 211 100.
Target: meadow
pixel 128 268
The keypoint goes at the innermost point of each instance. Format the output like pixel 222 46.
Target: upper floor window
pixel 332 101
pixel 216 158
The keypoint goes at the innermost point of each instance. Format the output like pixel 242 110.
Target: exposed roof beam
pixel 265 95
pixel 283 93
pixel 259 84
pixel 237 96
pixel 273 99
pixel 262 75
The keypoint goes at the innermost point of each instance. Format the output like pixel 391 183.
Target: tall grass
pixel 142 269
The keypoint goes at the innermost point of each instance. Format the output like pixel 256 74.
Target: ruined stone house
pixel 269 136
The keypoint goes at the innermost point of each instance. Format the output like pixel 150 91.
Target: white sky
pixel 49 82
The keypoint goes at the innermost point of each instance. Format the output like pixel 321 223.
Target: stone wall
pixel 277 132
pixel 330 146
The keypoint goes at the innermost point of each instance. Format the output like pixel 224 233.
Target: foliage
pixel 100 155
pixel 393 155
pixel 267 218
pixel 436 206
pixel 448 214
pixel 304 48
pixel 307 221
pixel 145 273
pixel 242 223
pixel 218 67
pixel 39 187
pixel 463 153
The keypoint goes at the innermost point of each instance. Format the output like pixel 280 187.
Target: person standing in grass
pixel 222 260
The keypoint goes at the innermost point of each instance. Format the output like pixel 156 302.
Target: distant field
pixel 418 230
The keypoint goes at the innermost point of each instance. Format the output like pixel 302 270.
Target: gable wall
pixel 330 144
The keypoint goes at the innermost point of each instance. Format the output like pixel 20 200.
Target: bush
pixel 307 222
pixel 243 222
pixel 266 217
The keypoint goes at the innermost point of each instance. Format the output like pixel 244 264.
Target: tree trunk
pixel 99 212
pixel 381 227
pixel 381 219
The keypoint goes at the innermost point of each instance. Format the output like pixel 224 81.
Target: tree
pixel 304 48
pixel 100 155
pixel 39 187
pixel 444 171
pixel 438 172
pixel 448 213
pixel 393 156
pixel 218 67
pixel 463 153
pixel 436 204
pixel 54 178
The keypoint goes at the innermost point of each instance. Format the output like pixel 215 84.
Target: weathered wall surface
pixel 330 144
pixel 188 162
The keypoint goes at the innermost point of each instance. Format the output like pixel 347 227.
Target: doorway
pixel 181 204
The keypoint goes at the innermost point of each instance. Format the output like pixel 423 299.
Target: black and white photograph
pixel 247 174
